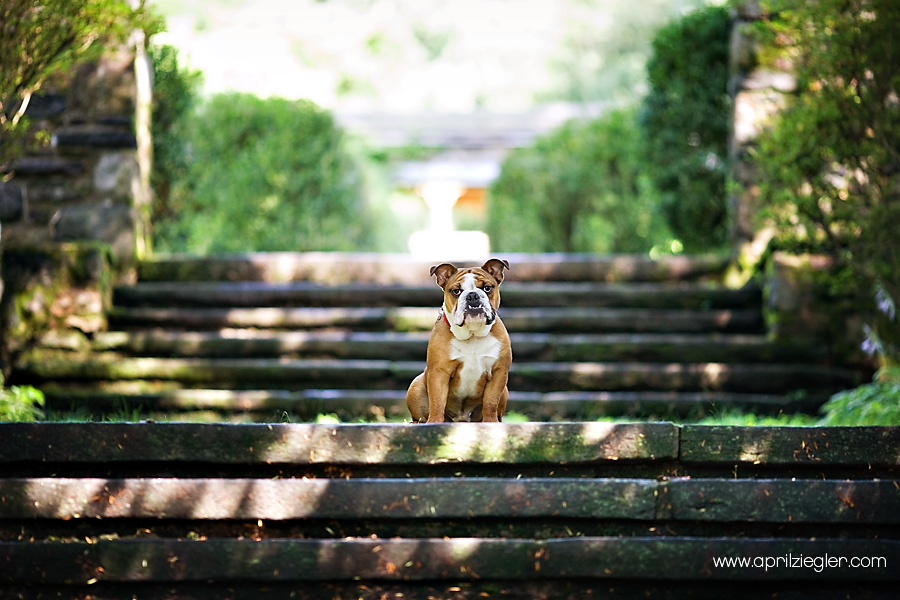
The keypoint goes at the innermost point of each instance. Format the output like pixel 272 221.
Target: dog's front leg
pixel 438 387
pixel 495 396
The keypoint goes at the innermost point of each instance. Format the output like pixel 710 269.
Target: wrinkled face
pixel 471 296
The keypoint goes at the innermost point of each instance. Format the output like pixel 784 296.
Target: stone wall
pixel 85 183
pixel 73 208
pixel 800 307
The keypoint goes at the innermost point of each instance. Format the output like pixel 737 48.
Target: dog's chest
pixel 477 356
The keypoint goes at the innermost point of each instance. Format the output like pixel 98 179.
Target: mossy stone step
pixel 383 374
pixel 137 560
pixel 347 267
pixel 165 399
pixel 537 320
pixel 558 498
pixel 201 448
pixel 412 346
pixel 514 295
pixel 197 450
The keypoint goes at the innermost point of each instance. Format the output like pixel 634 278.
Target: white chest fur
pixel 477 356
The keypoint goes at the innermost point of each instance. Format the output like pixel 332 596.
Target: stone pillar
pixel 143 92
pixel 73 207
pixel 760 90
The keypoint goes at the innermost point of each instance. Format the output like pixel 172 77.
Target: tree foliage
pixel 604 47
pixel 685 118
pixel 830 165
pixel 264 175
pixel 580 188
pixel 44 36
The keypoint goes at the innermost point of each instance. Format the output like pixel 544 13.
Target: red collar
pixel 446 320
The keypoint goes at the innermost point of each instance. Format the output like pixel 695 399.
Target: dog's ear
pixel 495 267
pixel 443 272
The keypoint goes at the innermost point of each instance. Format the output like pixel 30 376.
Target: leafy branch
pixel 41 37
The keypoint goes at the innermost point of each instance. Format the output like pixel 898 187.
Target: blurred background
pixel 762 135
pixel 442 128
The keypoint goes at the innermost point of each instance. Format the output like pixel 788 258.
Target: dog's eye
pixel 456 291
pixel 488 289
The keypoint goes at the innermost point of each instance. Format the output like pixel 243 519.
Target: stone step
pixel 390 565
pixel 268 449
pixel 412 346
pixel 348 404
pixel 249 294
pixel 244 373
pixel 547 319
pixel 343 267
pixel 444 498
pixel 512 510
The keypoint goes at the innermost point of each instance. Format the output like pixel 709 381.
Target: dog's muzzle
pixel 477 305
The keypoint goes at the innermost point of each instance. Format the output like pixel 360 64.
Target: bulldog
pixel 469 354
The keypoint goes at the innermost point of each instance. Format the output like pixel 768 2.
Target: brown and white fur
pixel 469 353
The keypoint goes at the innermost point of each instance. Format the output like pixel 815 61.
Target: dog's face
pixel 472 295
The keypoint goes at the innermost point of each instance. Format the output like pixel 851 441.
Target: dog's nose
pixel 473 299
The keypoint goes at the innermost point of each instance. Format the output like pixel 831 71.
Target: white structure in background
pixel 440 183
pixel 475 145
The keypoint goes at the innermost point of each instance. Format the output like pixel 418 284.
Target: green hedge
pixel 580 188
pixel 264 175
pixel 685 118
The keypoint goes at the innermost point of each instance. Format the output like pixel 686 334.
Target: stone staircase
pixel 273 337
pixel 528 511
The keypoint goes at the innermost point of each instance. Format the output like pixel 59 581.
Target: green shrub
pixel 21 403
pixel 829 168
pixel 580 188
pixel 265 175
pixel 686 120
pixel 877 403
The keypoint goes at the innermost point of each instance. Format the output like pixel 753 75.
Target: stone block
pixel 47 165
pixel 117 175
pixel 53 287
pixel 799 305
pixel 46 106
pixel 109 222
pixel 753 111
pixel 94 136
pixel 770 79
pixel 12 201
pixel 104 87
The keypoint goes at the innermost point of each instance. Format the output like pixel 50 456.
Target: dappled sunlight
pixel 461 442
pixel 714 375
pixel 756 451
pixel 606 433
pixel 515 443
pixel 585 375
pixel 62 498
pixel 594 433
pixel 219 498
pixel 185 498
pixel 463 548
